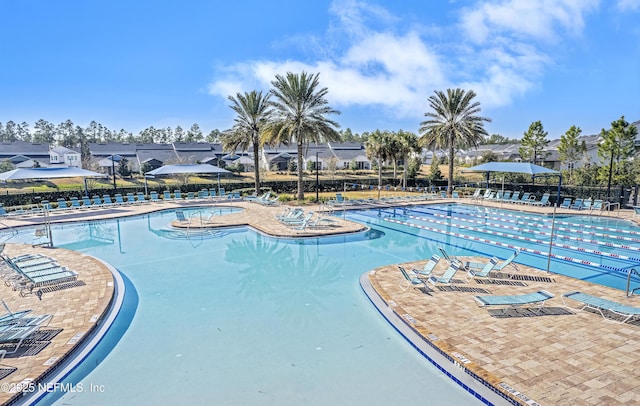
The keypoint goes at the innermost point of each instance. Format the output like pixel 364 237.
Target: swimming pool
pixel 240 318
pixel 234 317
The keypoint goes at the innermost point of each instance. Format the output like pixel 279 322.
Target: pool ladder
pixel 629 273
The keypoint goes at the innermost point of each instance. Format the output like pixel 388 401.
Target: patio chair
pixel 131 199
pixel 11 315
pixel 177 194
pixel 498 196
pixel 106 200
pixel 515 197
pixel 599 205
pixel 526 197
pixel 476 194
pixel 443 194
pixel 97 201
pixel 487 193
pixel 446 256
pixel 577 204
pixel 141 198
pixel 586 205
pixel 603 306
pixel 455 194
pixel 408 281
pixel 75 203
pixel 544 200
pixel 566 203
pixel 212 192
pixel 298 220
pixel 153 197
pixel 289 213
pixel 16 335
pixel 506 196
pixel 636 210
pixel 428 268
pixel 203 194
pixel 119 200
pixel 166 196
pixel 180 215
pixel 508 262
pixel 448 275
pixel 507 302
pixel 62 204
pixel 86 202
pixel 483 272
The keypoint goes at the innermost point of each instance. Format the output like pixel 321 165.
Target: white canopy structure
pixel 184 169
pixel 48 173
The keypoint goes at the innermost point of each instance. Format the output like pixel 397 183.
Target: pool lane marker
pixel 534 224
pixel 511 246
pixel 564 223
pixel 528 239
pixel 533 231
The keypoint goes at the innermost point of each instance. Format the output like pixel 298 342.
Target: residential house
pixel 65 157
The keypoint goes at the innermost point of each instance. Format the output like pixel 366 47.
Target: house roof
pixel 63 150
pixel 9 149
pixel 192 146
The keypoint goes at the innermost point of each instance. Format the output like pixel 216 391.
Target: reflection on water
pixel 292 281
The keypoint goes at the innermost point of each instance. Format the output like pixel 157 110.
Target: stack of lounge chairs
pixel 26 272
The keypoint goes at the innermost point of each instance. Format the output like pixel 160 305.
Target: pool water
pixel 243 319
pixel 234 317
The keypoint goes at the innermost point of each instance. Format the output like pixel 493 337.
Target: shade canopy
pixel 518 167
pixel 48 173
pixel 184 169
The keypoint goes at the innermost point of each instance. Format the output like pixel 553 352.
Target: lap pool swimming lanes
pixel 592 248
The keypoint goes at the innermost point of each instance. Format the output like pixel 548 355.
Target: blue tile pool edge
pixel 79 353
pixel 467 379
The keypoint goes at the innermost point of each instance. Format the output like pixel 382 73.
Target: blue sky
pixel 133 64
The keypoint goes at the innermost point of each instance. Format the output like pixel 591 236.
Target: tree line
pixel 68 134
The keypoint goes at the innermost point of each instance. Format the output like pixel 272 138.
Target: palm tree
pixel 253 112
pixel 300 108
pixel 453 124
pixel 407 143
pixel 377 146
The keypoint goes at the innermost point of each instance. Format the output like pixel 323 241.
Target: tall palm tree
pixel 407 143
pixel 253 112
pixel 453 124
pixel 377 146
pixel 300 110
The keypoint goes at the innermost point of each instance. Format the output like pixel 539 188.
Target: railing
pixel 629 273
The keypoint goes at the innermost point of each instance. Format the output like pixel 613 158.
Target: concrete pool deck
pixel 574 358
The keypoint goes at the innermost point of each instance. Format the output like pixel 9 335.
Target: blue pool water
pixel 237 318
pixel 234 317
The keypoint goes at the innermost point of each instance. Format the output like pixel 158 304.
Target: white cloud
pixel 628 5
pixel 377 63
pixel 542 19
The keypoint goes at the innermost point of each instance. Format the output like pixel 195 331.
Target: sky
pixel 135 64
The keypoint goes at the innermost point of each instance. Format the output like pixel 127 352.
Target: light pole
pixel 113 170
pixel 317 177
